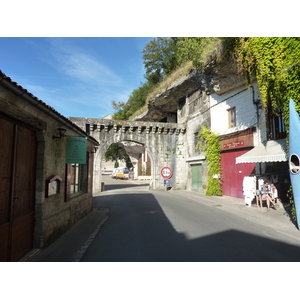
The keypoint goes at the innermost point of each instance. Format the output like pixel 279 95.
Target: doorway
pixel 233 174
pixel 196 177
pixel 17 189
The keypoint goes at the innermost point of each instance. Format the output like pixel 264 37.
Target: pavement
pixel 71 246
pixel 279 220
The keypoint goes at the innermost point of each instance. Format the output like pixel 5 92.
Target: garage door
pixel 233 174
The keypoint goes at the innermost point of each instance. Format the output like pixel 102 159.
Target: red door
pixel 17 189
pixel 233 174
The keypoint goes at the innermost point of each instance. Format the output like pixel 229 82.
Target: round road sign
pixel 166 172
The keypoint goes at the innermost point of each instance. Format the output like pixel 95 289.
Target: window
pixel 76 180
pixel 276 127
pixel 231 117
pixel 144 157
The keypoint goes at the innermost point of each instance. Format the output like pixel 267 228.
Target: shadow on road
pixel 138 230
pixel 116 184
pixel 109 187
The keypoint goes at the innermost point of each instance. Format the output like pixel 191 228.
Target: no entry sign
pixel 166 172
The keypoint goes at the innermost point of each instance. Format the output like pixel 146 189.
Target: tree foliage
pixel 136 100
pixel 117 105
pixel 201 50
pixel 115 153
pixel 160 58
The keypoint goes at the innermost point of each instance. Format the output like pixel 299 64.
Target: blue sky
pixel 78 77
pixel 78 57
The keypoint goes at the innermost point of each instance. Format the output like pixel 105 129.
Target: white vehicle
pixel 114 172
pixel 122 173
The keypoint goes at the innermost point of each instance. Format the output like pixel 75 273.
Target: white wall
pixel 246 112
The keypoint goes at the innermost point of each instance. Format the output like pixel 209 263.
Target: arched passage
pixel 115 140
pixel 165 144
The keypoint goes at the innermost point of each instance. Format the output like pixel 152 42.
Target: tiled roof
pixel 23 91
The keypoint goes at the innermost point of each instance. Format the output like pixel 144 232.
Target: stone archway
pixel 135 151
pixel 99 156
pixel 164 142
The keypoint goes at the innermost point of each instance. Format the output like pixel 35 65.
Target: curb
pixel 79 254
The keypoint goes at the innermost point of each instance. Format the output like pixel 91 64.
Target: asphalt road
pixel 159 226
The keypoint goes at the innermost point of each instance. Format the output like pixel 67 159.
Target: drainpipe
pixel 257 104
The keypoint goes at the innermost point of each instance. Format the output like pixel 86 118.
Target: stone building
pixel 44 190
pixel 219 98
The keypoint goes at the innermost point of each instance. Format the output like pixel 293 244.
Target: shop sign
pixel 233 144
pixel 76 150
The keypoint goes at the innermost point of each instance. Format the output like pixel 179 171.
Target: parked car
pixel 122 173
pixel 114 172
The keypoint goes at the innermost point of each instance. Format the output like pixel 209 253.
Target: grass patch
pixel 139 112
pixel 182 70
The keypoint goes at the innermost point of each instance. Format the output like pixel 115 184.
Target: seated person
pixel 266 194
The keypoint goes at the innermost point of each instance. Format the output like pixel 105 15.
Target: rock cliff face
pixel 224 77
pixel 216 78
pixel 167 101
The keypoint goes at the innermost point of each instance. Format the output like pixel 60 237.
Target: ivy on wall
pixel 275 63
pixel 211 149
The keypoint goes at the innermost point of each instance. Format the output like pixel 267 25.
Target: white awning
pixel 266 152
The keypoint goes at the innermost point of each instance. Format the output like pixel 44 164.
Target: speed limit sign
pixel 166 172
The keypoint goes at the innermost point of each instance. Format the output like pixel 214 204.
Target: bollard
pixel 102 187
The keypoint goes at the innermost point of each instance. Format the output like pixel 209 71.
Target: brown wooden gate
pixel 233 174
pixel 17 189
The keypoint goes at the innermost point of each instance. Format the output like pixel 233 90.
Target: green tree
pixel 160 58
pixel 197 49
pixel 117 105
pixel 115 153
pixel 136 100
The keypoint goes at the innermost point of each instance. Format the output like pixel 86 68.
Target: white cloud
pixel 83 68
pixel 80 66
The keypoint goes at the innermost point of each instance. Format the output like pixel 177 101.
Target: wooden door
pixel 17 189
pixel 6 162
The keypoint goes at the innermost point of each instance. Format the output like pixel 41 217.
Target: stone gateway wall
pixel 162 141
